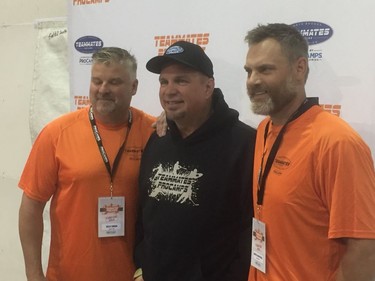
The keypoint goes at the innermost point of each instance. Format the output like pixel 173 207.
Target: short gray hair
pixel 292 43
pixel 109 55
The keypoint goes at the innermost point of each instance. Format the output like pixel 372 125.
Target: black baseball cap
pixel 185 53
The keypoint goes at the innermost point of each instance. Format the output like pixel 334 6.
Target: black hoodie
pixel 196 201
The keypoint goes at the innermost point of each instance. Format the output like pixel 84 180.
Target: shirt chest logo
pixel 280 164
pixel 175 183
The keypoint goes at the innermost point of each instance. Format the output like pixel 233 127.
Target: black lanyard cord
pixel 306 105
pixel 102 151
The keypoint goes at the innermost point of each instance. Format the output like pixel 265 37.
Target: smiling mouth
pixel 173 102
pixel 258 94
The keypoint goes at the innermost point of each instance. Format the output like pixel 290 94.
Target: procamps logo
pixel 88 44
pixel 315 54
pixel 314 32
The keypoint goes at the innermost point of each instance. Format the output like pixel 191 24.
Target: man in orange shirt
pixel 87 161
pixel 314 179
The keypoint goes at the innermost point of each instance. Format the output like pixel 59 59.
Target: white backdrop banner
pixel 50 93
pixel 342 60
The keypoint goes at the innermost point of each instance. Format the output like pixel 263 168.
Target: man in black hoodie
pixel 195 182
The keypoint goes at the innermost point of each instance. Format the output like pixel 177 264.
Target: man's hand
pixel 161 125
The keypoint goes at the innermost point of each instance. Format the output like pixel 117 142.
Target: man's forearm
pixel 31 234
pixel 358 262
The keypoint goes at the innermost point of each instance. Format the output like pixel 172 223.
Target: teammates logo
pixel 134 152
pixel 175 183
pixel 334 109
pixel 81 101
pixel 88 44
pixel 174 50
pixel 282 162
pixel 162 42
pixel 314 32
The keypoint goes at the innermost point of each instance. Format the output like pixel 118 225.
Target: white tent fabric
pixel 50 93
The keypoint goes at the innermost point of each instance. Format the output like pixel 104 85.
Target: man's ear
pixel 134 86
pixel 302 68
pixel 210 86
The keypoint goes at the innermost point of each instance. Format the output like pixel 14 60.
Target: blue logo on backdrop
pixel 88 44
pixel 315 55
pixel 314 32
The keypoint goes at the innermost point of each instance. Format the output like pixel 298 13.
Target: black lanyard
pixel 102 151
pixel 306 105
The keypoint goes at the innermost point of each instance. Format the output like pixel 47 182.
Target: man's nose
pixel 169 89
pixel 253 79
pixel 104 88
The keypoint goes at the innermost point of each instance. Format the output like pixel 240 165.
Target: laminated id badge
pixel 111 216
pixel 258 246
